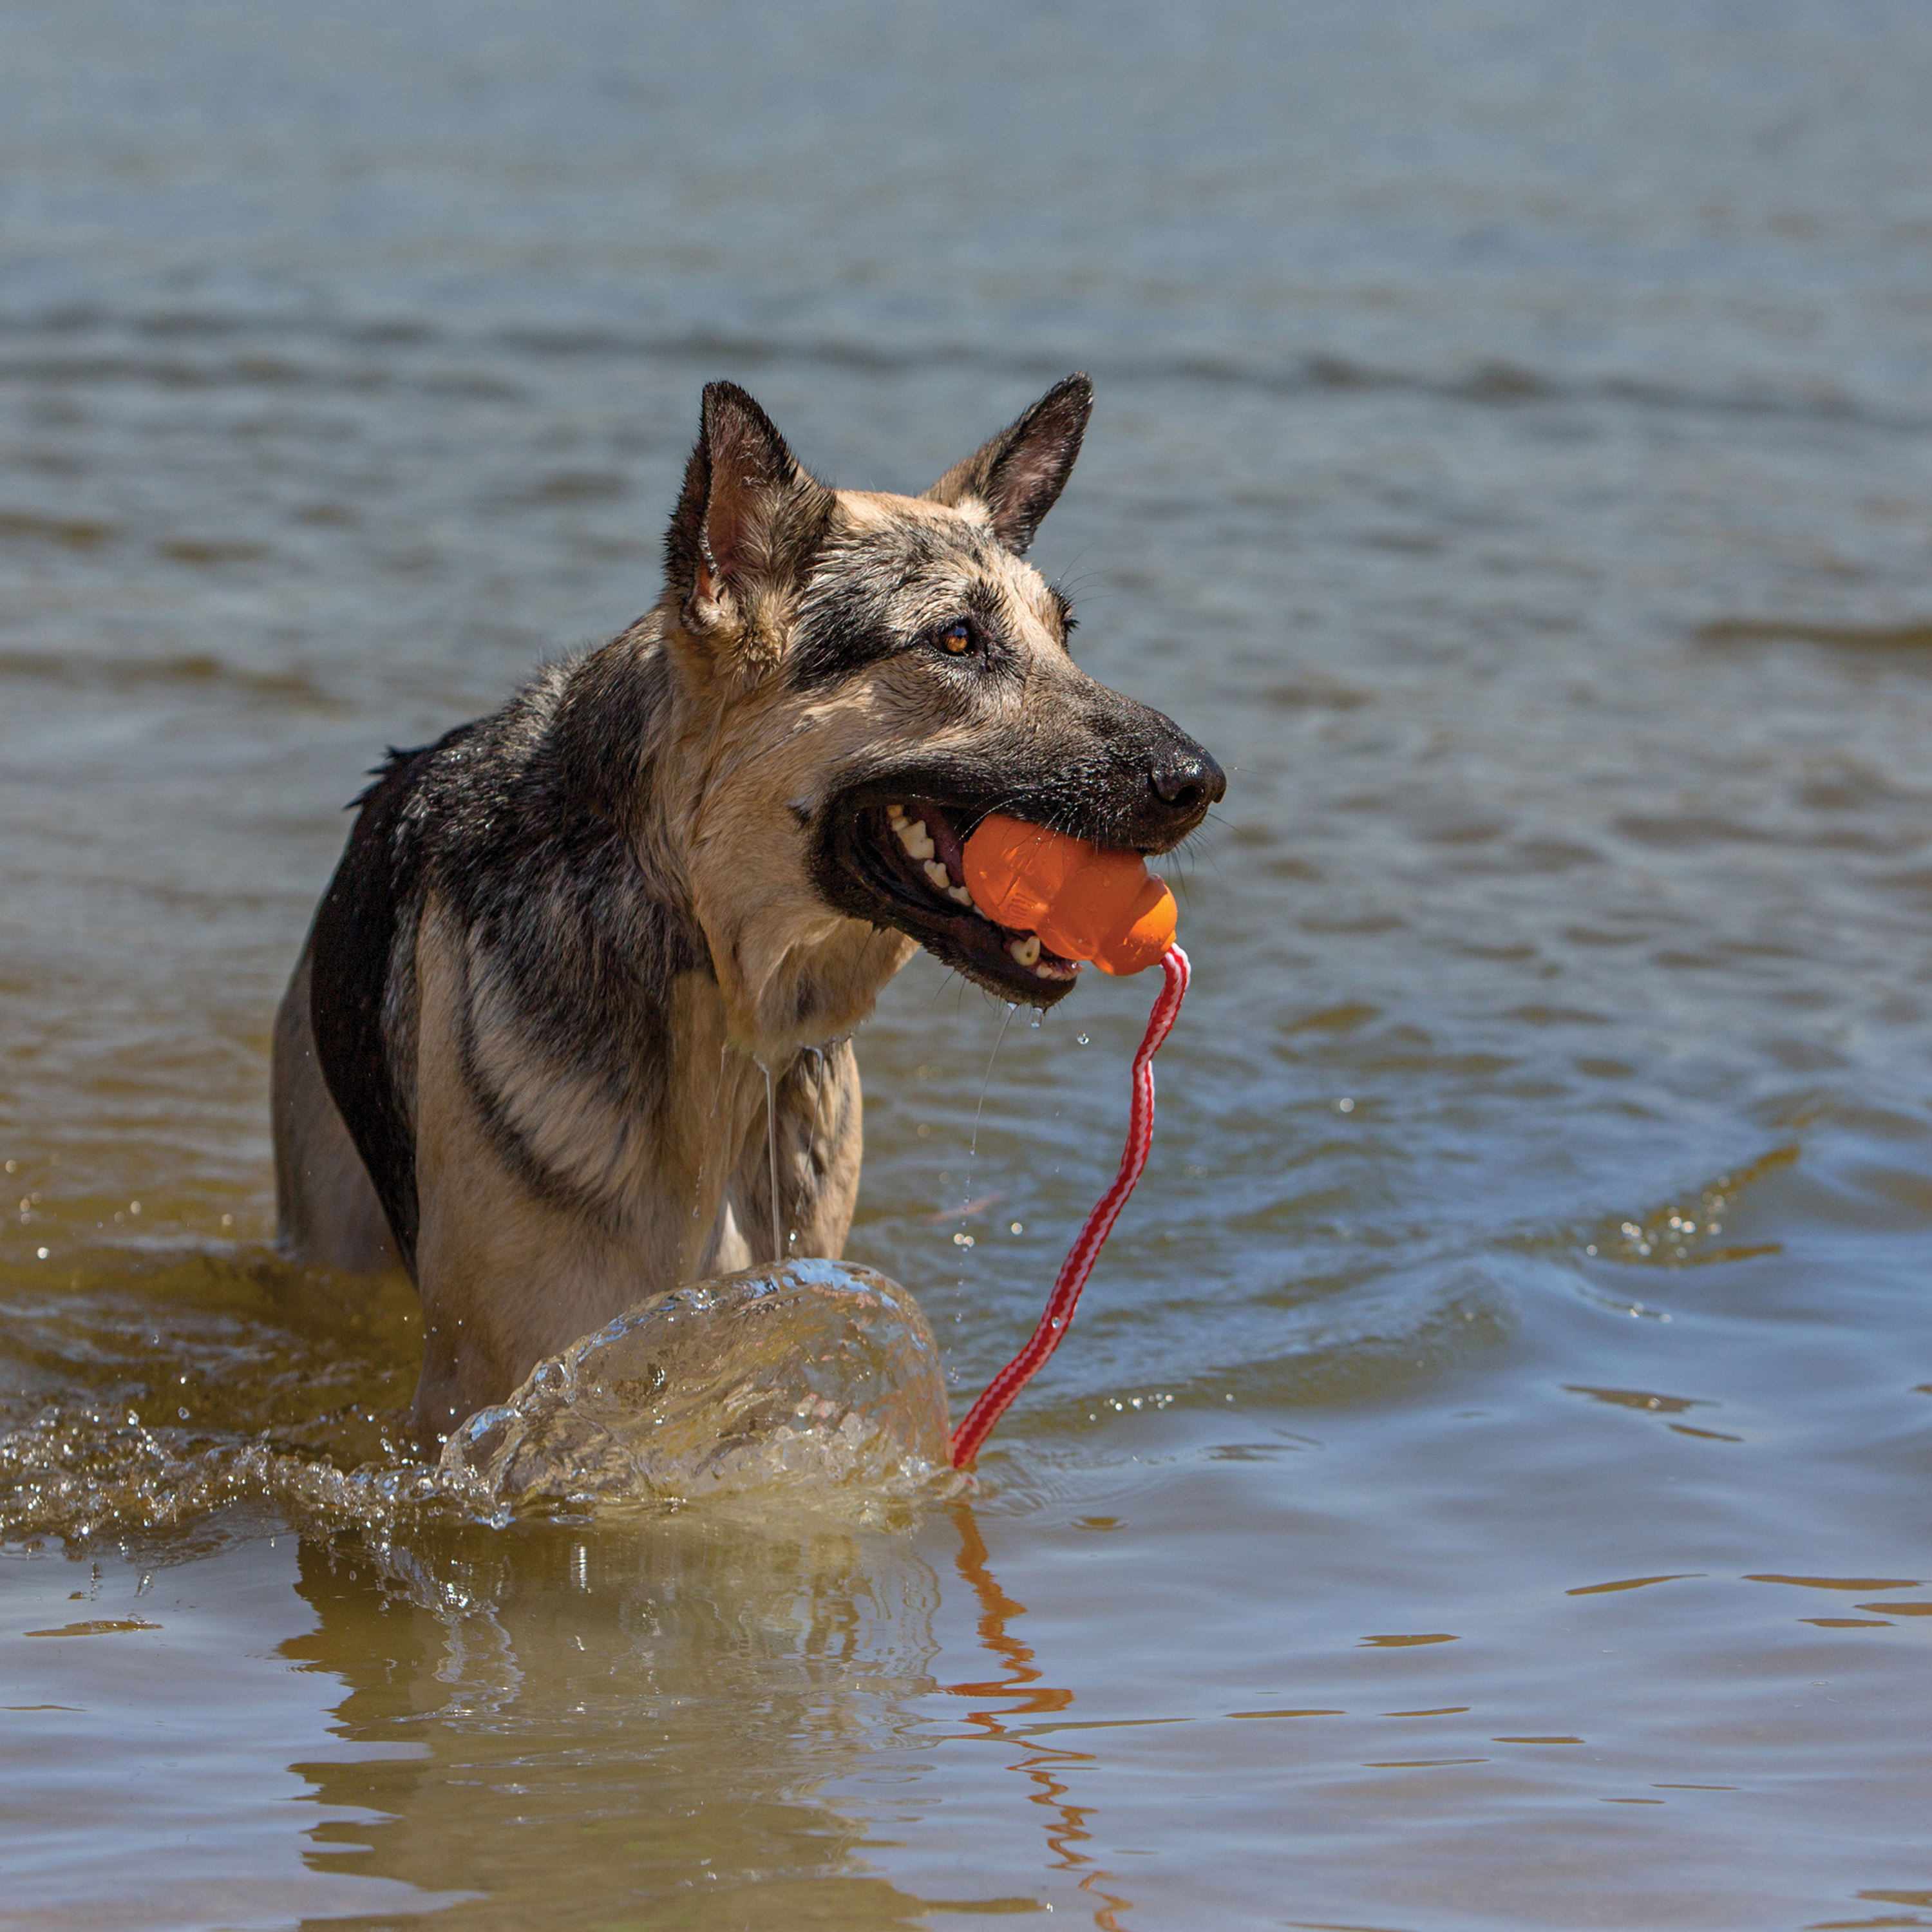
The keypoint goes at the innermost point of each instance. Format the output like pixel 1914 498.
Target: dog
pixel 572 1026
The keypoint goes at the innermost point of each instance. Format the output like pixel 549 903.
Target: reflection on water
pixel 1487 1485
pixel 1066 1827
pixel 562 1688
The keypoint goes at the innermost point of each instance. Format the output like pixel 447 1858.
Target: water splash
pixel 80 1474
pixel 297 1384
pixel 810 1376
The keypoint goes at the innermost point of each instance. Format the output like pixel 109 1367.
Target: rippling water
pixel 1487 1485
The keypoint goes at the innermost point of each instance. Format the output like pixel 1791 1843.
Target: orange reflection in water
pixel 1033 1698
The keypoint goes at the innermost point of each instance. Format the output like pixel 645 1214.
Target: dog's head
pixel 862 678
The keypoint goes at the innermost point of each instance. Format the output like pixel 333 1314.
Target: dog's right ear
pixel 1018 474
pixel 746 515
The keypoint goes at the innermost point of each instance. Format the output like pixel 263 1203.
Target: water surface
pixel 1487 1485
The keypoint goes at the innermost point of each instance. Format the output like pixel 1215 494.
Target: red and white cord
pixel 1058 1316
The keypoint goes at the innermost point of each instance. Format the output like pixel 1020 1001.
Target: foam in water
pixel 812 1375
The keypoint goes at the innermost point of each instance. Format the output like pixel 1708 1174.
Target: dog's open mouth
pixel 907 857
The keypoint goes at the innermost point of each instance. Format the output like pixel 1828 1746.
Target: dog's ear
pixel 1019 474
pixel 748 515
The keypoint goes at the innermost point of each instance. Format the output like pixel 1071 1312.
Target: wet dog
pixel 573 1023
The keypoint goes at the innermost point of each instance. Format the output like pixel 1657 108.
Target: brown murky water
pixel 1487 1486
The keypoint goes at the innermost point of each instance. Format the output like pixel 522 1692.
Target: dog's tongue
pixel 1085 901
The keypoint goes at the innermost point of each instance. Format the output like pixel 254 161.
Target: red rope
pixel 1053 1323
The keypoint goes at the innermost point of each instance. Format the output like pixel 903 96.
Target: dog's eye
pixel 957 639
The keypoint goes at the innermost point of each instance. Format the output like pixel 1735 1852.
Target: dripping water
pixel 972 1149
pixel 723 1145
pixel 973 1145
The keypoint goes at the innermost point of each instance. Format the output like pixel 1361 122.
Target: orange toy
pixel 1085 901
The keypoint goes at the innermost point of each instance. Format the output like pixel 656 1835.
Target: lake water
pixel 1487 1485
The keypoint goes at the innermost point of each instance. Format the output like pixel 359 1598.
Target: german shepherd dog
pixel 572 1026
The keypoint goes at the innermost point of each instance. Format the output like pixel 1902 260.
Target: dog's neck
pixel 717 776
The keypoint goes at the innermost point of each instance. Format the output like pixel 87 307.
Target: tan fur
pixel 507 1277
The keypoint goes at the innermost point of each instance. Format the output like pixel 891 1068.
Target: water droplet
pixel 1034 1022
pixel 1017 1227
pixel 1345 1106
pixel 1080 1039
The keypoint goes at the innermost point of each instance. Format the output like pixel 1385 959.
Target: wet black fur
pixel 352 941
pixel 519 822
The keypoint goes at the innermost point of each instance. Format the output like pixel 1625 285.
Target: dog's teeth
pixel 896 814
pixel 960 893
pixel 938 874
pixel 914 838
pixel 1027 950
pixel 1045 972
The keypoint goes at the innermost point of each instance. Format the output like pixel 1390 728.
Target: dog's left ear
pixel 747 517
pixel 1019 474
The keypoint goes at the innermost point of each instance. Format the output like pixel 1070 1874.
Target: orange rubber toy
pixel 1085 901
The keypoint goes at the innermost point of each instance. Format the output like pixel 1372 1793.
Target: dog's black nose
pixel 1187 781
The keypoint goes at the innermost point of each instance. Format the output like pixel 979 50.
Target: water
pixel 1513 459
pixel 816 1378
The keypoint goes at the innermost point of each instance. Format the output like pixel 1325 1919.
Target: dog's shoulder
pixel 515 830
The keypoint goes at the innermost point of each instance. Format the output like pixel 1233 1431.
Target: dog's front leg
pixel 819 1134
pixel 809 1143
pixel 513 1260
